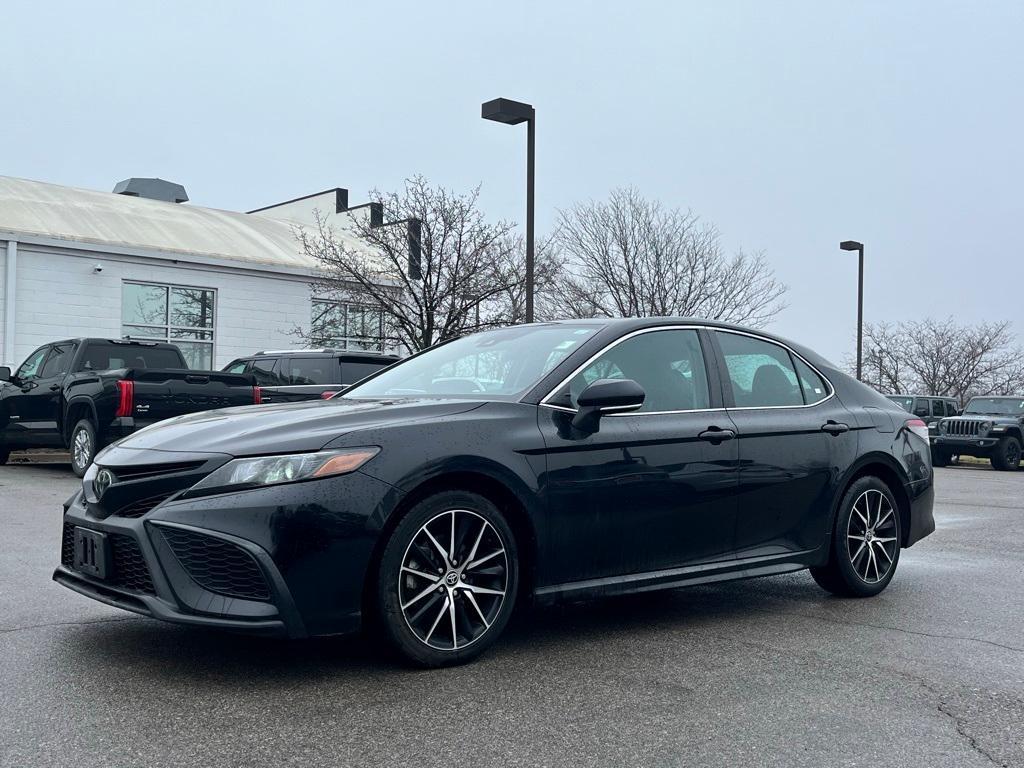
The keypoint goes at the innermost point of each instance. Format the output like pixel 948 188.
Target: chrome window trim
pixel 798 356
pixel 544 400
pixel 710 329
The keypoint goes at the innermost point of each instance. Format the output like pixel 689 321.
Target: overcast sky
pixel 790 125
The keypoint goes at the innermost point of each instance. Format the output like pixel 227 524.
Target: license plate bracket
pixel 92 553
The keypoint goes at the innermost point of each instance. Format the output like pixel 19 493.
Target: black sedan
pixel 552 461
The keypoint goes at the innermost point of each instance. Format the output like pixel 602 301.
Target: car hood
pixel 286 428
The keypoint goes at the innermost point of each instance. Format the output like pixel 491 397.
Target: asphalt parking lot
pixel 765 672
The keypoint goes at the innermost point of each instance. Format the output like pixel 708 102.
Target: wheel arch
pixel 886 469
pixel 78 409
pixel 485 481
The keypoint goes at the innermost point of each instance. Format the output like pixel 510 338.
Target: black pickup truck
pixel 85 393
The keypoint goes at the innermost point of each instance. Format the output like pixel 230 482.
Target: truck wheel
pixel 83 446
pixel 1007 455
pixel 5 454
pixel 940 458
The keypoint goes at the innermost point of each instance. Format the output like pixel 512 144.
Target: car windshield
pixel 906 403
pixel 501 364
pixel 996 406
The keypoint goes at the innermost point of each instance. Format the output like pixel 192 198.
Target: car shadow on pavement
pixel 170 651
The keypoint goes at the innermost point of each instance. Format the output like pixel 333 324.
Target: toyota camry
pixel 549 461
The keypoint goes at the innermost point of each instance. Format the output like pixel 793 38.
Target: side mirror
pixel 606 396
pixel 5 373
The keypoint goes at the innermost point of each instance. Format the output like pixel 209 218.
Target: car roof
pixel 355 355
pixel 86 339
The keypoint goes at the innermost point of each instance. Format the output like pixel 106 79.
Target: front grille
pixel 139 471
pixel 961 428
pixel 217 565
pixel 128 567
pixel 142 506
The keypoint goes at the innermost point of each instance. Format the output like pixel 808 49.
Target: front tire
pixel 941 458
pixel 447 579
pixel 82 446
pixel 865 542
pixel 1007 455
pixel 5 454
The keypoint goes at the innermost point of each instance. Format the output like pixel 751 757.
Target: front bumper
pixel 965 446
pixel 306 547
pixel 149 578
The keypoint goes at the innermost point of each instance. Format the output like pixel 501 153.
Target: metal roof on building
pixel 103 218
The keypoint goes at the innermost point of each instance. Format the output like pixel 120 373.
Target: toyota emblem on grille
pixel 103 480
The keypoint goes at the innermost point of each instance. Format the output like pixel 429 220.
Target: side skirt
pixel 692 575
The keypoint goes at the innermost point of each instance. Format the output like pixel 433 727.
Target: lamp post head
pixel 851 245
pixel 506 111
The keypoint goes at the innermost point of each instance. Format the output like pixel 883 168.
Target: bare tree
pixel 466 280
pixel 631 257
pixel 941 357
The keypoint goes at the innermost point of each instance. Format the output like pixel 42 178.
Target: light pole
pixel 512 113
pixel 853 245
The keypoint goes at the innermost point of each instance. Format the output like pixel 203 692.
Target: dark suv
pixel 990 428
pixel 287 376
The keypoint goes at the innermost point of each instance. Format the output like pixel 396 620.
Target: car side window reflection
pixel 668 364
pixel 761 373
pixel 30 368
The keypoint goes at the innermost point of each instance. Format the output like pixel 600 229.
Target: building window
pixel 347 326
pixel 183 316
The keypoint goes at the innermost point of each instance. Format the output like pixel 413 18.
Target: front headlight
pixel 984 427
pixel 260 471
pixel 941 426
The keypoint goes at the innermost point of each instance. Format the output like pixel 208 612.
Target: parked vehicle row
pixel 288 376
pixel 82 394
pixel 554 460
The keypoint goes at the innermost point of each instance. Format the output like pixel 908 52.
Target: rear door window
pixel 298 371
pixel 352 372
pixel 761 373
pixel 265 372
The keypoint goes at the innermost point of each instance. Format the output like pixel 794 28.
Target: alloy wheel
pixel 81 449
pixel 453 580
pixel 871 536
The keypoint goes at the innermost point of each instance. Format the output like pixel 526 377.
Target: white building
pixel 220 284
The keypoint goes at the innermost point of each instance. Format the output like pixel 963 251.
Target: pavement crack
pixel 27 627
pixel 961 728
pixel 886 627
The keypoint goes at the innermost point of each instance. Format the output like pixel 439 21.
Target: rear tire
pixel 437 608
pixel 1007 455
pixel 82 446
pixel 864 547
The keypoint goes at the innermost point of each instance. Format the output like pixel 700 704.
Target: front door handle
pixel 54 387
pixel 716 435
pixel 834 427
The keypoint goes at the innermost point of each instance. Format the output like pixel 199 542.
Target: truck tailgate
pixel 163 393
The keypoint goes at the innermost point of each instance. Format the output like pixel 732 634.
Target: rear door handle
pixel 716 435
pixel 834 427
pixel 54 387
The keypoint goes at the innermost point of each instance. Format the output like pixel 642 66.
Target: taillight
pixel 327 395
pixel 125 397
pixel 918 427
pixel 257 395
